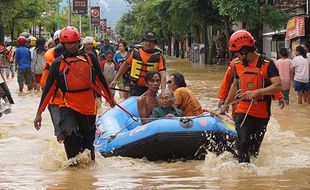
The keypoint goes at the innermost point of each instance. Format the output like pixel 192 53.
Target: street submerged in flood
pixel 34 160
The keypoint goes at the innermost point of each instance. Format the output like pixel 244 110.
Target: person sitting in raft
pixel 148 101
pixel 166 107
pixel 185 99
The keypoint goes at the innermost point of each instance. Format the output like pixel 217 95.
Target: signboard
pixel 103 24
pixel 95 16
pixel 295 27
pixel 79 7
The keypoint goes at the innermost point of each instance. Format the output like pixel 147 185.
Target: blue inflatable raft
pixel 165 139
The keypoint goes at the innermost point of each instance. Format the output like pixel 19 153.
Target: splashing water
pixel 276 156
pixel 33 159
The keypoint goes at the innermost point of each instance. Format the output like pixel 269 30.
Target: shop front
pixel 297 32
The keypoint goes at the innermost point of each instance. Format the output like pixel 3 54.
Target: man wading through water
pixel 257 78
pixel 77 75
pixel 141 60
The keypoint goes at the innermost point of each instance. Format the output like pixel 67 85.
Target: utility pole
pixel 80 22
pixel 308 7
pixel 58 16
pixel 69 14
pixel 89 11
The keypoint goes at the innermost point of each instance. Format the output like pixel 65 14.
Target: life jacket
pixel 49 58
pixel 76 82
pixel 140 68
pixel 71 81
pixel 253 78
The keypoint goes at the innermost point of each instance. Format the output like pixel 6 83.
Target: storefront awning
pixel 295 27
pixel 274 33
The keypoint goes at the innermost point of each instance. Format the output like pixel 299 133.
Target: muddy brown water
pixel 34 160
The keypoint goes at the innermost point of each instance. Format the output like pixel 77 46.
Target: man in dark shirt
pixel 257 79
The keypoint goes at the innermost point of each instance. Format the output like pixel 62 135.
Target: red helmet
pixel 69 34
pixel 2 48
pixel 239 39
pixel 21 40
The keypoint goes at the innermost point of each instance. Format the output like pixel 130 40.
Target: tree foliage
pixel 20 15
pixel 252 12
pixel 166 18
pixel 180 17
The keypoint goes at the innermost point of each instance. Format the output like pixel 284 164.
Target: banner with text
pixel 295 27
pixel 79 7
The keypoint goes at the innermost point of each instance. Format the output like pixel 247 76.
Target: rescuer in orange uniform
pixel 56 100
pixel 77 76
pixel 226 84
pixel 257 79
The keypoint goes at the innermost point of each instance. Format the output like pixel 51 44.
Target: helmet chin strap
pixel 245 59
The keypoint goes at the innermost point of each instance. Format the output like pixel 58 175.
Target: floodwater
pixel 31 159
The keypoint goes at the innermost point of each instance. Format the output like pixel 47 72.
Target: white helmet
pixel 56 35
pixel 25 34
pixel 88 40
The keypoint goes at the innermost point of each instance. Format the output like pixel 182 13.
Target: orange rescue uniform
pixel 49 58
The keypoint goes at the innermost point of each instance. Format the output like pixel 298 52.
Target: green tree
pixel 253 14
pixel 177 18
pixel 24 14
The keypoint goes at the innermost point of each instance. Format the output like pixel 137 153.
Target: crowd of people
pixel 75 72
pixel 295 71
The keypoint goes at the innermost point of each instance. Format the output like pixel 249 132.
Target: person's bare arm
pixel 123 68
pixel 16 64
pixel 231 95
pixel 142 110
pixel 163 79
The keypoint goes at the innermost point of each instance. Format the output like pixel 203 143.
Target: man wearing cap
pixel 141 60
pixel 106 46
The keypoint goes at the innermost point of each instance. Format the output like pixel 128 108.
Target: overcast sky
pixel 112 10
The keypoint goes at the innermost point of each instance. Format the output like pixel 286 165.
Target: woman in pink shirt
pixel 284 66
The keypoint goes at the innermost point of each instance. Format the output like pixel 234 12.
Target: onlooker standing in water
pixel 119 58
pixel 106 46
pixel 37 62
pixel 284 65
pixel 109 67
pixel 23 64
pixel 301 72
pixel 306 46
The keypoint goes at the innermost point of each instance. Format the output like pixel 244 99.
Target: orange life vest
pixel 253 77
pixel 70 81
pixel 50 57
pixel 139 68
